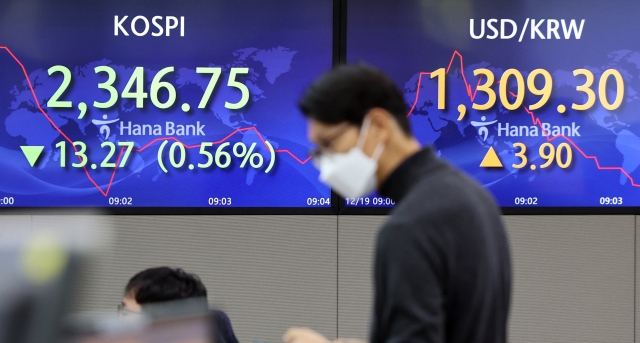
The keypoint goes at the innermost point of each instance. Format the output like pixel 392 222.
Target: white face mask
pixel 352 174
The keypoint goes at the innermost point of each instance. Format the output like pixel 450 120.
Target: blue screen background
pixel 406 38
pixel 285 45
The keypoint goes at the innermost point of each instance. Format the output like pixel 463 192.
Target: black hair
pixel 348 92
pixel 164 284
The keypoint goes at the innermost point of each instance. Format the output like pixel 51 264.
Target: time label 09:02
pixel 526 201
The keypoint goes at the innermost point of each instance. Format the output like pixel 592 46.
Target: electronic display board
pixel 159 103
pixel 536 100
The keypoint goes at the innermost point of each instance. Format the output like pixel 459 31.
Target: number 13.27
pixel 81 150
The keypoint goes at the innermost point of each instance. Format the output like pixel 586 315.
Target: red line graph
pixel 534 119
pixel 113 174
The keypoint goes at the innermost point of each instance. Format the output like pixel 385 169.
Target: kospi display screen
pixel 537 100
pixel 159 103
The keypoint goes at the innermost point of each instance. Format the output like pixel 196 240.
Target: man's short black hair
pixel 164 284
pixel 349 92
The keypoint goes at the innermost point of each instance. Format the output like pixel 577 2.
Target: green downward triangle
pixel 32 153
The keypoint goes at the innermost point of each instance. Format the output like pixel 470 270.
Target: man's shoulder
pixel 448 195
pixel 446 186
pixel 444 213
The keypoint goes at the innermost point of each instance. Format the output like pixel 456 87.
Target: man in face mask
pixel 442 261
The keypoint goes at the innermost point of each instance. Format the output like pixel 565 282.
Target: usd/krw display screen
pixel 537 100
pixel 159 103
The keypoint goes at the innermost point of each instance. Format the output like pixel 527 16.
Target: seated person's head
pixel 162 284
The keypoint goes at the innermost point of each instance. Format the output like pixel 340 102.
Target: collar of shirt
pixel 408 173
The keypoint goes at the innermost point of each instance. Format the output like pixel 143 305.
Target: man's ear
pixel 382 124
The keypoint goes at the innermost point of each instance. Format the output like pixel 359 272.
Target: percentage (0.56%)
pixel 221 158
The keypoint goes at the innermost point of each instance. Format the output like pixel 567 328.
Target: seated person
pixel 163 284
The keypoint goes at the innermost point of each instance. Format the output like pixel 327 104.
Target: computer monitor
pixel 195 329
pixel 37 274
